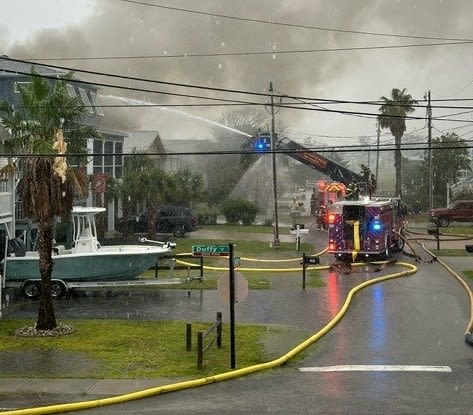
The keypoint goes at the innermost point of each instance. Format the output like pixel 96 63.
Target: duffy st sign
pixel 210 250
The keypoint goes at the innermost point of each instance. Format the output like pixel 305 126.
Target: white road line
pixel 376 368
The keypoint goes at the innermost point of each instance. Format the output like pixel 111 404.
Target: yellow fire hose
pixel 69 407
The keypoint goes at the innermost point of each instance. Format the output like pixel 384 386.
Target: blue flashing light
pixel 376 226
pixel 262 143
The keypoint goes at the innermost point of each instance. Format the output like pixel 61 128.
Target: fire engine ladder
pixel 315 160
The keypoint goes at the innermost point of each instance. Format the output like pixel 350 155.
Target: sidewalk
pixel 79 387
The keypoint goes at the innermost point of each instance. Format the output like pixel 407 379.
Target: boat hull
pixel 113 263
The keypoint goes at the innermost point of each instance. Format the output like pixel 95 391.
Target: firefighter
pixel 352 192
pixel 313 204
pixel 295 212
pixel 322 218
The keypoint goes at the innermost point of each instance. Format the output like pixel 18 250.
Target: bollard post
pixel 188 336
pixel 303 270
pixel 219 329
pixel 200 350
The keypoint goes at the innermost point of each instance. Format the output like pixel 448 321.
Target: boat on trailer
pixel 86 262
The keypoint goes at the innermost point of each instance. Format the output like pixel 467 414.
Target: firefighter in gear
pixel 353 192
pixel 322 218
pixel 295 212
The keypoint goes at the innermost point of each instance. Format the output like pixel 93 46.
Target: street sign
pixel 210 250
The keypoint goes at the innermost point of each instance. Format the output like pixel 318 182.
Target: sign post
pixel 232 307
pixel 224 250
pixel 307 260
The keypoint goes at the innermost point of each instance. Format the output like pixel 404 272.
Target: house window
pixel 85 100
pixel 98 150
pixel 93 98
pixel 18 84
pixel 71 91
pixel 108 150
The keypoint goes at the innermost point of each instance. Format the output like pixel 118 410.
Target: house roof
pixel 187 145
pixel 143 141
pixel 9 67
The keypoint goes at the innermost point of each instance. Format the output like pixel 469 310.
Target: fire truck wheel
pixel 399 244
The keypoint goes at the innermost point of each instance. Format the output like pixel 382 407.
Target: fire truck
pixel 365 229
pixel 329 192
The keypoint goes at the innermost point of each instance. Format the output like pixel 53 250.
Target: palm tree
pixel 47 183
pixel 392 115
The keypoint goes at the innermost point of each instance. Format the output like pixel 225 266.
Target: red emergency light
pixel 332 217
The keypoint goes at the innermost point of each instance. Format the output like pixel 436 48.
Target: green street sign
pixel 210 250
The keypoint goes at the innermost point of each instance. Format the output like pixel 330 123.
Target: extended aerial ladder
pixel 315 160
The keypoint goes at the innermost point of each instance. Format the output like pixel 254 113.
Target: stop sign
pixel 241 287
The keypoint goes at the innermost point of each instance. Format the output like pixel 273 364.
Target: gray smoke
pixel 126 29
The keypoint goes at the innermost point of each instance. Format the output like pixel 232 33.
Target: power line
pixel 298 26
pixel 207 88
pixel 254 53
pixel 220 100
pixel 345 149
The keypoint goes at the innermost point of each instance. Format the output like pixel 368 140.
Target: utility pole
pixel 429 141
pixel 378 133
pixel 276 242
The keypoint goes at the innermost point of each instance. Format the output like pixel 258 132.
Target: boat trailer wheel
pixel 31 289
pixel 57 289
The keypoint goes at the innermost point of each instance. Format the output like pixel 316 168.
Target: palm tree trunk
pixel 397 166
pixel 46 314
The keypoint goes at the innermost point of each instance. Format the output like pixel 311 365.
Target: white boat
pixel 87 260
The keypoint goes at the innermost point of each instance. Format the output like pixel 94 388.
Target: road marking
pixel 376 368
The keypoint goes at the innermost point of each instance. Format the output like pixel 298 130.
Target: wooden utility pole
pixel 429 141
pixel 276 242
pixel 378 133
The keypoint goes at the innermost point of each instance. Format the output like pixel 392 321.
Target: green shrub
pixel 238 210
pixel 268 222
pixel 207 215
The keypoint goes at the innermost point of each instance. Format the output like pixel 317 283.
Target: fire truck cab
pixel 365 229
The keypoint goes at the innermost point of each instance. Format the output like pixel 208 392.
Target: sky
pixel 311 50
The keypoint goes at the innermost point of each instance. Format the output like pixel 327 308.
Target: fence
pixel 213 335
pixel 169 262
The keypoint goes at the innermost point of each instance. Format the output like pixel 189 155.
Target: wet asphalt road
pixel 419 320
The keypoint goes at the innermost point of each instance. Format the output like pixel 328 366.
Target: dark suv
pixel 177 220
pixel 459 211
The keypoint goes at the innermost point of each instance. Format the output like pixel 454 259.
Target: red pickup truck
pixel 458 211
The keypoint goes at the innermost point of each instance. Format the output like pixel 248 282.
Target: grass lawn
pixel 119 349
pixel 149 349
pixel 469 274
pixel 274 263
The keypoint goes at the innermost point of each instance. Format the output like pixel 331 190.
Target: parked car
pixel 459 211
pixel 177 220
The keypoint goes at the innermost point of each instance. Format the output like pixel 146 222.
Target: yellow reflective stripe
pixel 356 235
